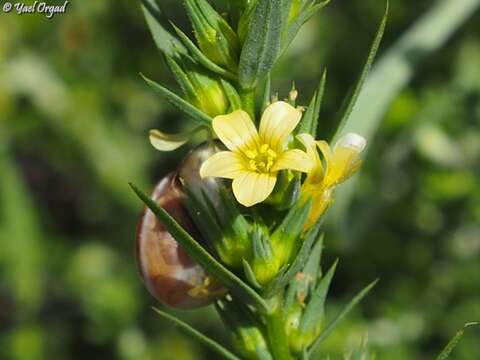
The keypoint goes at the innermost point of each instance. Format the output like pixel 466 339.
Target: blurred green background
pixel 74 116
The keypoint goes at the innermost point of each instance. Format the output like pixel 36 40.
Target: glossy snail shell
pixel 169 274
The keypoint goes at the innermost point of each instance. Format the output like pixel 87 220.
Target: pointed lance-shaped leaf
pixel 363 76
pixel 262 44
pixel 309 123
pixel 200 56
pixel 338 319
pixel 232 95
pixel 250 275
pixel 202 257
pixel 310 268
pixel 266 92
pixel 205 340
pixel 161 29
pixel 188 109
pixel 307 10
pixel 314 313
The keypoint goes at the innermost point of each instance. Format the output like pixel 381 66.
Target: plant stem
pixel 277 336
pixel 248 101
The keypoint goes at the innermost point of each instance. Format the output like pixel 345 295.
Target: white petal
pixel 352 141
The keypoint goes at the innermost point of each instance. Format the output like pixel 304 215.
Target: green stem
pixel 277 337
pixel 248 101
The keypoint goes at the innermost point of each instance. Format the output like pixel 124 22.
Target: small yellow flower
pixel 255 157
pixel 340 164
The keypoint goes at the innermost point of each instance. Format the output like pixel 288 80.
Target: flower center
pixel 261 159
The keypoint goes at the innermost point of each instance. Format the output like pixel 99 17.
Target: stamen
pixel 261 159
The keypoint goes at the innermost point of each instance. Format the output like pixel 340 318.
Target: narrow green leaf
pixel 312 272
pixel 454 342
pixel 315 310
pixel 250 275
pixel 309 122
pixel 178 102
pixel 210 343
pixel 306 15
pixel 201 58
pixel 160 29
pixel 232 95
pixel 182 79
pixel 201 256
pixel 266 92
pixel 331 327
pixel 262 44
pixel 363 76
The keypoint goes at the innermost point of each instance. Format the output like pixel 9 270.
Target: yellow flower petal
pixel 236 130
pixel 168 142
pixel 251 188
pixel 321 202
pixel 225 164
pixel 294 160
pixel 345 159
pixel 316 174
pixel 278 121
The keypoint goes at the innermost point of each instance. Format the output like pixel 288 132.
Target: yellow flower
pixel 255 157
pixel 340 164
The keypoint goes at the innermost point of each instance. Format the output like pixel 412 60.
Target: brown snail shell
pixel 169 274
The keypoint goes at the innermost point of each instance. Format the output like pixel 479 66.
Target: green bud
pixel 201 88
pixel 263 263
pixel 215 37
pixel 248 337
pixel 299 340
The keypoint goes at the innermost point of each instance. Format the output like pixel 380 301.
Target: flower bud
pixel 248 338
pixel 201 88
pixel 215 37
pixel 169 274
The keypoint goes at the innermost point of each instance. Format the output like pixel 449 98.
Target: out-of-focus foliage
pixel 74 116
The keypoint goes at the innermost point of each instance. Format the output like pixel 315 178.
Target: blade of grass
pixel 212 344
pixel 454 342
